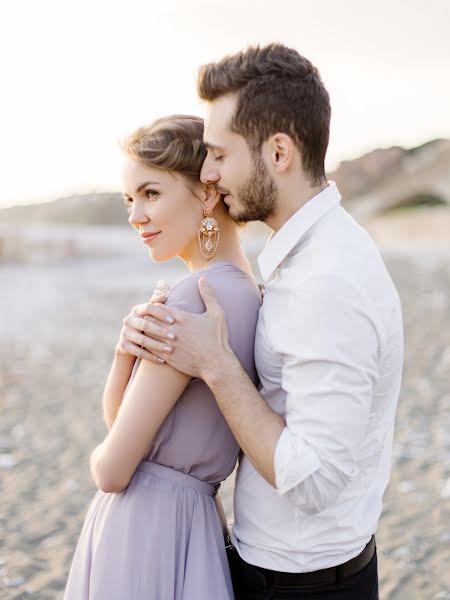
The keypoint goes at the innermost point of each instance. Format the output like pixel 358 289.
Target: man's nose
pixel 209 172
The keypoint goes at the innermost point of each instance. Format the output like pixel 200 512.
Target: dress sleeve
pixel 186 295
pixel 240 300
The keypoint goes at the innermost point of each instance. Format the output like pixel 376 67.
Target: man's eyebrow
pixel 143 186
pixel 213 146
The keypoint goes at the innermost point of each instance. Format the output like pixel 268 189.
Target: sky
pixel 76 76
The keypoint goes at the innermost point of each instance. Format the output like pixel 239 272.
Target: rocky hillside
pixel 370 185
pixel 395 178
pixel 86 209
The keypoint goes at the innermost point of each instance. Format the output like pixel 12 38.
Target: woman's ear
pixel 210 196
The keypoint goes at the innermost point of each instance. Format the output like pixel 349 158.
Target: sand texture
pixel 58 327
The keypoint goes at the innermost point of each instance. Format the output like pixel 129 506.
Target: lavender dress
pixel 161 537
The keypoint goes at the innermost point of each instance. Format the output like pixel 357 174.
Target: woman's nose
pixel 137 215
pixel 209 172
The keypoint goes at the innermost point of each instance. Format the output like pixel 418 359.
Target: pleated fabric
pixel 160 539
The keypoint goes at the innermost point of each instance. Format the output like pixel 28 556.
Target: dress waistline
pixel 178 477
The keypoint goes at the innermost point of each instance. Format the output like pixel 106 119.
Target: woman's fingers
pixel 146 332
pixel 151 327
pixel 158 298
pixel 160 292
pixel 134 336
pixel 158 311
pixel 139 352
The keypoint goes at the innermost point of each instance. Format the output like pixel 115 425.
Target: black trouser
pixel 251 584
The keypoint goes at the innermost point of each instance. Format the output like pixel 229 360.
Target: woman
pixel 152 531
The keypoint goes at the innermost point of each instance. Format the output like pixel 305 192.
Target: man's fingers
pixel 208 296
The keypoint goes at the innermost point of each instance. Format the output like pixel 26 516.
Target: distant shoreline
pixel 419 230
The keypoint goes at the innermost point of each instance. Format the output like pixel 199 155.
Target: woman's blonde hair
pixel 173 143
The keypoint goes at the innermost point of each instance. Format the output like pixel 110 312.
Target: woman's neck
pixel 229 250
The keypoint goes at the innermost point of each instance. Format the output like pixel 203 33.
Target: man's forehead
pixel 219 114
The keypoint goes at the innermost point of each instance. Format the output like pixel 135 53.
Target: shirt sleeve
pixel 328 342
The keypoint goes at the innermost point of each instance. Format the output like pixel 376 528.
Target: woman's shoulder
pixel 229 283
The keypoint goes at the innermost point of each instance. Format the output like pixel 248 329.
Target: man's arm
pixel 200 347
pixel 254 424
pixel 328 344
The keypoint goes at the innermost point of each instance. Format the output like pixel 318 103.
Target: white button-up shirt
pixel 329 353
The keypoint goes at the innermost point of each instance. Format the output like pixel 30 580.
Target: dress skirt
pixel 159 539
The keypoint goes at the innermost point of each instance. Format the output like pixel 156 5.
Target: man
pixel 317 435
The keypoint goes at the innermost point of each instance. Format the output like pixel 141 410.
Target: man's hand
pixel 201 340
pixel 189 342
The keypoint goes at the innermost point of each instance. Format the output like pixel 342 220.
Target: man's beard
pixel 258 196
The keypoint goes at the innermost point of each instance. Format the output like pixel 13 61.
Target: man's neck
pixel 290 201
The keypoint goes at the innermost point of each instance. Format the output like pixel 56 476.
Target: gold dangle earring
pixel 209 231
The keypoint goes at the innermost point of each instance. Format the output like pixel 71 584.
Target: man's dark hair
pixel 279 91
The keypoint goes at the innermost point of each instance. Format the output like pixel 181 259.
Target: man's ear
pixel 282 151
pixel 210 196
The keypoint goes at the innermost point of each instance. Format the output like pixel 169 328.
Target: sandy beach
pixel 58 327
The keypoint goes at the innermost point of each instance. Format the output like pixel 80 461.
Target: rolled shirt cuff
pixel 294 461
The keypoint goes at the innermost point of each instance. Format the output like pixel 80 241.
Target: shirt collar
pixel 281 243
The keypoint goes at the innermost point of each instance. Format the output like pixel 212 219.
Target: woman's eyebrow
pixel 143 186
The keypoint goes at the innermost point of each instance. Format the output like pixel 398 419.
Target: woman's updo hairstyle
pixel 173 143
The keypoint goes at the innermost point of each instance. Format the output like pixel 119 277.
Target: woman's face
pixel 163 209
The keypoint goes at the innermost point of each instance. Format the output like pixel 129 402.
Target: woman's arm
pixel 127 349
pixel 150 397
pixel 116 384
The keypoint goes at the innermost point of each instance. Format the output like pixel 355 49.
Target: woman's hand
pixel 133 341
pixel 160 292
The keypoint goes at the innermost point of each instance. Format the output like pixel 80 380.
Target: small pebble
pixel 7 461
pixel 5 443
pixel 445 492
pixel 18 432
pixel 15 582
pixel 406 486
pixel 71 485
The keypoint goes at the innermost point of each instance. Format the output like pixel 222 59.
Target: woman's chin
pixel 159 257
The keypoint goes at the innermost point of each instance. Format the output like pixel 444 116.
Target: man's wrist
pixel 219 370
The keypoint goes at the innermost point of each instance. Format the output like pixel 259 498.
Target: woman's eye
pixel 218 158
pixel 128 202
pixel 151 193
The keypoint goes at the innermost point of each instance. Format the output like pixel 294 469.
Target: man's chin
pixel 238 216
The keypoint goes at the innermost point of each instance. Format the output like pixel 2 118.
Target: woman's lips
pixel 147 238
